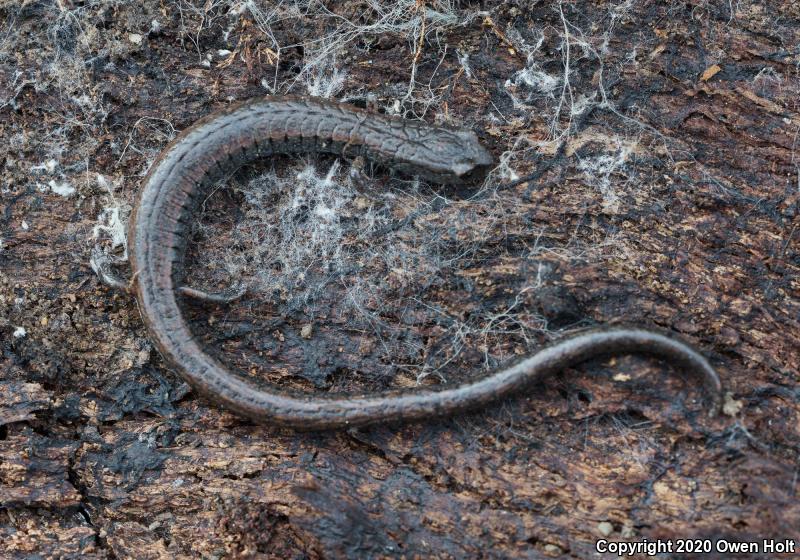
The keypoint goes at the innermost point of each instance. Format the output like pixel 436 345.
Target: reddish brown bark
pixel 674 205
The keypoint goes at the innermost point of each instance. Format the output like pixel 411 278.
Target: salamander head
pixel 448 156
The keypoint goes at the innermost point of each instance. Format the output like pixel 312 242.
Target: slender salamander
pixel 220 143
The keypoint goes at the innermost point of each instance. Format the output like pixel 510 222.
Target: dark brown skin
pixel 219 144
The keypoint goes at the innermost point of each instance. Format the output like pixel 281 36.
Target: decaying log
pixel 650 175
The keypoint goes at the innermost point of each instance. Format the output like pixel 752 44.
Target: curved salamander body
pixel 218 145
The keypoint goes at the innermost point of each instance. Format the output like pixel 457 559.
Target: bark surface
pixel 650 177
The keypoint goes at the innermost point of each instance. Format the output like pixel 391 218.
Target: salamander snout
pixel 438 154
pixel 453 157
pixel 474 161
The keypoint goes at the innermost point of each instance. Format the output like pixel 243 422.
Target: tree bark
pixel 649 176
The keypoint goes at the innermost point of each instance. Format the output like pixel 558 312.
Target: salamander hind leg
pixel 103 265
pixel 228 295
